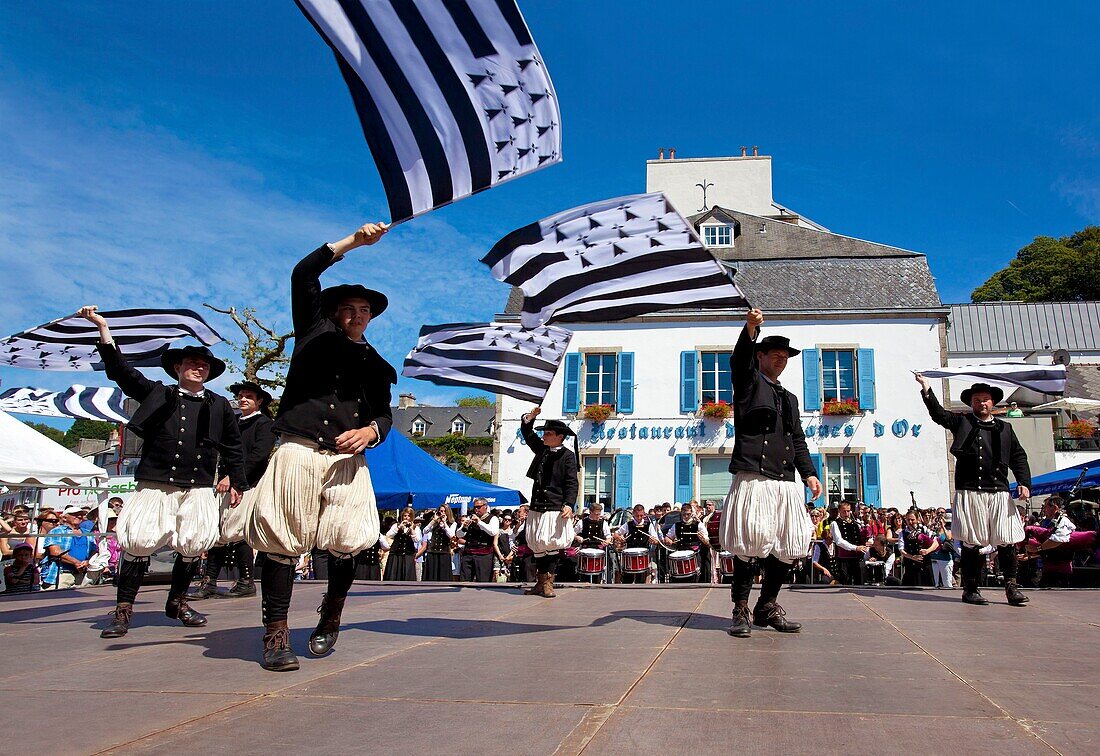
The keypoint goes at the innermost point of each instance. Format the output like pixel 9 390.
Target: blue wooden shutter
pixel 872 491
pixel 819 462
pixel 625 403
pixel 811 379
pixel 624 474
pixel 571 395
pixel 684 479
pixel 865 365
pixel 689 382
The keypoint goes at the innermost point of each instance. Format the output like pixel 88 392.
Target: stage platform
pixel 433 668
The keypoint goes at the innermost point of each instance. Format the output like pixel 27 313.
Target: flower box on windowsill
pixel 715 410
pixel 1080 429
pixel 843 407
pixel 597 413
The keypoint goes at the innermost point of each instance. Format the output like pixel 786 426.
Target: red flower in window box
pixel 840 407
pixel 1080 429
pixel 716 410
pixel 597 413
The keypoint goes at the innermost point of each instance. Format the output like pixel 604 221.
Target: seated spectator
pixel 22 575
pixel 824 557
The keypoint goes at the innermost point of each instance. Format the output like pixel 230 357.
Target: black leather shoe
pixel 240 589
pixel 277 654
pixel 204 590
pixel 120 625
pixel 1014 595
pixel 177 608
pixel 772 615
pixel 740 626
pixel 328 628
pixel 972 595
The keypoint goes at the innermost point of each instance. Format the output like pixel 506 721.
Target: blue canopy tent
pixel 400 469
pixel 1063 480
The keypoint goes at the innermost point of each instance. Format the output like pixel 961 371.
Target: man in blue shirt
pixel 66 560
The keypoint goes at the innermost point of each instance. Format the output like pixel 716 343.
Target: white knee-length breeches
pixel 548 531
pixel 160 514
pixel 234 519
pixel 764 516
pixel 985 518
pixel 310 498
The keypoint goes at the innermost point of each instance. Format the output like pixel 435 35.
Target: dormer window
pixel 458 426
pixel 419 427
pixel 718 235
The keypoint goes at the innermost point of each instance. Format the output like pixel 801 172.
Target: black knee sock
pixel 215 560
pixel 547 563
pixel 182 572
pixel 1006 557
pixel 341 573
pixel 775 574
pixel 971 564
pixel 244 558
pixel 277 581
pixel 131 574
pixel 742 580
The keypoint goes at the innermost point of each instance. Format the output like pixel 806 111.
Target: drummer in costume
pixel 258 440
pixel 403 540
pixel 985 448
pixel 850 548
pixel 637 533
pixel 550 519
pixel 317 489
pixel 765 514
pixel 183 427
pixel 477 543
pixel 689 534
pixel 523 559
pixel 437 544
pixel 594 534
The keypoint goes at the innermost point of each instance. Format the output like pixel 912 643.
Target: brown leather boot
pixel 120 625
pixel 548 586
pixel 536 589
pixel 177 608
pixel 328 627
pixel 278 656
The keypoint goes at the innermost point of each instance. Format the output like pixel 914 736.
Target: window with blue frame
pixel 842 478
pixel 715 380
pixel 717 236
pixel 715 478
pixel 599 378
pixel 599 480
pixel 838 374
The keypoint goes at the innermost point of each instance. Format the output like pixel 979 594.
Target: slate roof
pixel 478 420
pixel 1024 327
pixel 793 268
pixel 1083 381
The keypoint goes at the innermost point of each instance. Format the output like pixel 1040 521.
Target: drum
pixel 591 561
pixel 635 561
pixel 876 572
pixel 683 563
pixel 726 564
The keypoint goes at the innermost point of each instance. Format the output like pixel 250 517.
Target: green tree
pixel 50 432
pixel 474 401
pixel 1049 270
pixel 82 428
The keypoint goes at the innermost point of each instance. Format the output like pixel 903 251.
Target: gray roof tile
pixel 479 420
pixel 1024 326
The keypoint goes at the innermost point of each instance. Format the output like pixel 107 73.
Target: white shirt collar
pixel 197 395
pixel 253 413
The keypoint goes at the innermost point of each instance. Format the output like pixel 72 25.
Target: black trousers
pixel 849 571
pixel 476 568
pixel 277 584
pixel 774 571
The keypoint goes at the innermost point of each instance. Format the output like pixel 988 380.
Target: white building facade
pixel 865 315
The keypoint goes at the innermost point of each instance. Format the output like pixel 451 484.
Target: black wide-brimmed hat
pixel 993 391
pixel 556 426
pixel 173 357
pixel 334 295
pixel 255 388
pixel 768 343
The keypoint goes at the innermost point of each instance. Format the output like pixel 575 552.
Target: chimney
pixel 755 151
pixel 404 401
pixel 671 153
pixel 661 154
pixel 744 151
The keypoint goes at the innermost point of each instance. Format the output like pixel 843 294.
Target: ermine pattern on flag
pixel 611 260
pixel 142 335
pixel 87 402
pixel 453 95
pixel 496 357
pixel 1045 379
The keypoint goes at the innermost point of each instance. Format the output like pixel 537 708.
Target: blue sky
pixel 167 154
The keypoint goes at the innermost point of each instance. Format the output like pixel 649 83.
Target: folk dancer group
pixel 314 491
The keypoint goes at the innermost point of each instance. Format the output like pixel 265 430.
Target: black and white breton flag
pixel 453 95
pixel 69 343
pixel 611 260
pixel 1044 379
pixel 501 358
pixel 85 402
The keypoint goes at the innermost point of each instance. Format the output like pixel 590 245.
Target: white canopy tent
pixel 30 460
